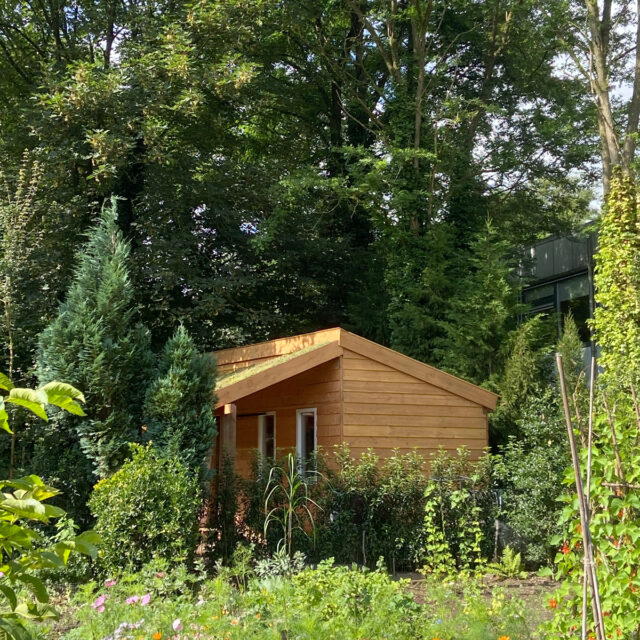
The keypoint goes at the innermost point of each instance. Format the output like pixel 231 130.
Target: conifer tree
pixel 179 403
pixel 96 344
pixel 483 312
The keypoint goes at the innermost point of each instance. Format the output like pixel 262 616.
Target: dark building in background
pixel 559 276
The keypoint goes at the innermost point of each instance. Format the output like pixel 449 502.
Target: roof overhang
pixel 259 365
pixel 254 382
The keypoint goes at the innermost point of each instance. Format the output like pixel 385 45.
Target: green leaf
pixel 62 390
pixel 64 396
pixel 30 399
pixel 35 585
pixel 4 417
pixel 10 595
pixel 5 382
pixel 30 508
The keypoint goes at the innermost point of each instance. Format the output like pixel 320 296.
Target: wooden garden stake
pixel 584 508
pixel 585 595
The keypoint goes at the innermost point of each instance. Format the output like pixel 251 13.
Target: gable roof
pixel 246 370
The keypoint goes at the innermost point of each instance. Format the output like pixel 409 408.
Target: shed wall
pixel 387 409
pixel 318 388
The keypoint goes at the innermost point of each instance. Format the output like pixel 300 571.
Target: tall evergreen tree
pixel 97 344
pixel 179 403
pixel 483 312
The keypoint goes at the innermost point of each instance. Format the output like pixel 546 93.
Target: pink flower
pixel 160 574
pixel 101 609
pixel 177 624
pixel 132 599
pixel 145 600
pixel 99 602
pixel 110 583
pixel 1 574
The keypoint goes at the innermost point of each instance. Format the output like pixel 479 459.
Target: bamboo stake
pixel 585 595
pixel 614 438
pixel 586 536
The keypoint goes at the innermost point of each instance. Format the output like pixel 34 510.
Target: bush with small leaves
pixel 147 509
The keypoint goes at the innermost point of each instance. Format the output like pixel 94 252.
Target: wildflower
pixel 553 603
pixel 177 624
pixel 160 574
pixel 109 583
pixel 99 602
pixel 224 612
pixel 145 600
pixel 566 549
pixel 157 636
pixel 257 616
pixel 235 621
pixel 504 638
pixel 1 574
pixel 101 609
pixel 214 617
pixel 132 599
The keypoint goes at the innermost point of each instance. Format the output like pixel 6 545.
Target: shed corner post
pixel 228 430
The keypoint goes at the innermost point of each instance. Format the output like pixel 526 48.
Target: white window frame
pixel 299 413
pixel 261 428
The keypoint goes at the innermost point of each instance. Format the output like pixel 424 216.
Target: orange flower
pixel 157 636
pixel 257 616
pixel 235 621
pixel 553 603
pixel 566 549
pixel 504 638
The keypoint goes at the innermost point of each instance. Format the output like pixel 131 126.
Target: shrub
pixel 532 470
pixel 365 508
pixel 148 509
pixel 179 404
pixel 460 509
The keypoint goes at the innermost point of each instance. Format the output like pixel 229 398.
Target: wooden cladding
pixel 364 394
pixel 387 409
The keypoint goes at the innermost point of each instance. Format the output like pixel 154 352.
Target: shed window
pixel 306 438
pixel 267 435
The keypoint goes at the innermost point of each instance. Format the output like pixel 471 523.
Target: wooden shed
pixel 324 388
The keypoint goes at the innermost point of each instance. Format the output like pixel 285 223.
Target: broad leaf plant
pixel 23 596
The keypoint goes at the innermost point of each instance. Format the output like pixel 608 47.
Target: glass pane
pixel 269 436
pixel 571 288
pixel 537 296
pixel 309 428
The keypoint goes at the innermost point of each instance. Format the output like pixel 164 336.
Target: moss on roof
pixel 231 377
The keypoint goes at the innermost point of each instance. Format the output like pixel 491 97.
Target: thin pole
pixel 586 537
pixel 588 494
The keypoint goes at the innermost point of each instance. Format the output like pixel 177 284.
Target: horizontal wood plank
pixel 418 421
pixel 375 398
pixel 398 386
pixel 389 409
pixel 441 433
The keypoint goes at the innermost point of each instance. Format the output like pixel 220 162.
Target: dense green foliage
pixel 617 281
pixel 24 553
pixel 178 408
pixel 615 529
pixel 531 472
pixel 324 602
pixel 97 344
pixel 291 167
pixel 145 510
pixel 367 508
